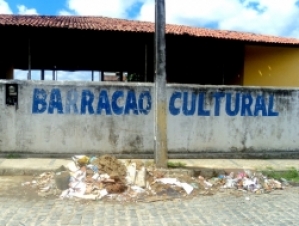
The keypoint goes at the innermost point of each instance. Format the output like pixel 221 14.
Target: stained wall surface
pixel 56 118
pixel 77 117
pixel 232 122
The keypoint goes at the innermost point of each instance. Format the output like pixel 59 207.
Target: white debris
pixel 187 187
pixel 103 193
pixel 95 176
pixel 140 177
pixel 104 176
pixel 86 197
pixel 131 173
pixel 72 167
pixel 137 189
pixel 167 180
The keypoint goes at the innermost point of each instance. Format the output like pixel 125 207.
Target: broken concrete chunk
pixel 140 177
pixel 131 173
pixel 62 180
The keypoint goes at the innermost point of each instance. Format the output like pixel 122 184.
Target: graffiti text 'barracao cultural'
pixel 120 102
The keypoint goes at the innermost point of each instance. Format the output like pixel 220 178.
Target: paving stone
pixel 217 210
pixel 3 222
pixel 13 223
pixel 75 222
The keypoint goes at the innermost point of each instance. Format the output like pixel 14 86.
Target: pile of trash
pixel 108 178
pixel 247 181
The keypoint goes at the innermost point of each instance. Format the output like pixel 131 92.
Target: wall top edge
pixel 147 84
pixel 76 83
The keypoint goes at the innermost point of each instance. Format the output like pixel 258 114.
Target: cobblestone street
pixel 280 207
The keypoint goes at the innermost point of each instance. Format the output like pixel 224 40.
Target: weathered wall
pixel 63 118
pixel 228 121
pixel 78 117
pixel 271 66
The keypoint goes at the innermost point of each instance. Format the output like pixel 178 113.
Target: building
pixel 230 94
pixel 194 55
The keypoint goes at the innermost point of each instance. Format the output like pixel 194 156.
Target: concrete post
pixel 100 76
pixel 160 87
pixel 9 72
pixel 29 60
pixel 42 75
pixel 121 76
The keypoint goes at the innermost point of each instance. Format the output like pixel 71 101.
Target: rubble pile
pixel 108 178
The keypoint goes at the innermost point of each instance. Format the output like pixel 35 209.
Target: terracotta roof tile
pixel 112 24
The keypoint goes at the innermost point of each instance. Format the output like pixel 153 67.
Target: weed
pixel 269 168
pixel 171 164
pixel 13 156
pixel 291 175
pixel 149 163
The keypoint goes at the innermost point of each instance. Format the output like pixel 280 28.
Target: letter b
pixel 39 104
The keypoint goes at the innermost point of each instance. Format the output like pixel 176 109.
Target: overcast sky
pixel 273 17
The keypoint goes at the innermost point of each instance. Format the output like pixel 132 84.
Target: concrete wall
pixel 229 122
pixel 78 117
pixel 271 66
pixel 63 118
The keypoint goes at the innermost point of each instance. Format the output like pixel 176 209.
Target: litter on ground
pixel 107 178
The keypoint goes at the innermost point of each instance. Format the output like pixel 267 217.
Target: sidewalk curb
pixel 21 172
pixel 169 172
pixel 193 168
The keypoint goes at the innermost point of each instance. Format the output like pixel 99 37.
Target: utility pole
pixel 160 86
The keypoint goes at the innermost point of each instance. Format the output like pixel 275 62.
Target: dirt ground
pixel 11 186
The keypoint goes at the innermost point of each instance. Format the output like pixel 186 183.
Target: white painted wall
pixel 234 136
pixel 27 129
pixel 23 131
